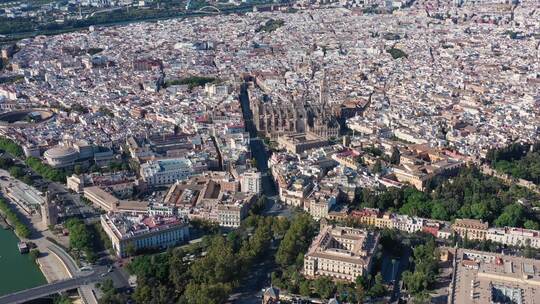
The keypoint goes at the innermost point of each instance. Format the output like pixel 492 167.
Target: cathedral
pixel 277 118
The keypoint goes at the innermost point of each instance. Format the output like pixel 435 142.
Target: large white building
pixel 70 153
pixel 251 182
pixel 143 232
pixel 166 171
pixel 408 223
pixel 514 236
pixel 61 157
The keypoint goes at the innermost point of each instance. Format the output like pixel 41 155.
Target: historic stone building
pixel 282 115
pixel 274 119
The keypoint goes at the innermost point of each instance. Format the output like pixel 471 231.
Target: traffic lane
pixel 120 278
pixel 45 290
pixel 66 259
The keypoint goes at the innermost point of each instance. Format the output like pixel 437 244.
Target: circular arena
pixel 24 118
pixel 59 156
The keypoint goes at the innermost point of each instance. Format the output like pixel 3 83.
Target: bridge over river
pixel 53 288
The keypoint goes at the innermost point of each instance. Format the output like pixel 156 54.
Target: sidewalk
pixel 50 267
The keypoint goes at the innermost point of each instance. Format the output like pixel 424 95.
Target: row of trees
pixel 81 238
pixel 391 248
pixel 296 241
pixel 20 228
pixel 191 82
pixel 17 171
pixel 23 25
pixel 45 170
pixel 176 276
pixel 12 25
pixel 166 9
pixel 426 268
pixel 468 195
pixel 323 287
pixel 10 146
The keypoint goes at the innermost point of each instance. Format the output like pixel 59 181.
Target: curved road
pixel 67 260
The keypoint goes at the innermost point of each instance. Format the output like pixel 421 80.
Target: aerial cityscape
pixel 255 151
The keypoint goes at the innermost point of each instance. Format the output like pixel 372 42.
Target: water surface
pixel 17 271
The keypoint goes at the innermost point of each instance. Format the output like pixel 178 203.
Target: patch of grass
pixel 93 51
pixel 191 82
pixel 397 53
pixel 11 79
pixel 270 26
pixel 10 146
pixel 391 36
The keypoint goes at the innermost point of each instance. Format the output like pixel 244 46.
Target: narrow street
pixel 258 150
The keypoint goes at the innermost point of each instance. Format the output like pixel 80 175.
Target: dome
pixel 61 156
pixel 60 152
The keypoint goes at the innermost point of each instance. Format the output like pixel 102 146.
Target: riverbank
pixel 19 271
pixel 48 264
pixel 3 223
pixel 13 220
pixel 112 21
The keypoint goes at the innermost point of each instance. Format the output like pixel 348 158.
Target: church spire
pixel 323 93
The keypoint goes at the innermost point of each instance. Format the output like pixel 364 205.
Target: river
pixel 17 271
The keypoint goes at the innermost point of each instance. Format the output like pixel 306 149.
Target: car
pixel 103 274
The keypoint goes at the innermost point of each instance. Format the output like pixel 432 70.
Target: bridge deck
pixel 48 289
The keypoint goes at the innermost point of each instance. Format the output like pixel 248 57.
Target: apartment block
pixel 143 232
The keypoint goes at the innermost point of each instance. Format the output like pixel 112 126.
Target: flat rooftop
pixel 126 227
pixel 484 277
pixel 344 244
pixel 26 194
